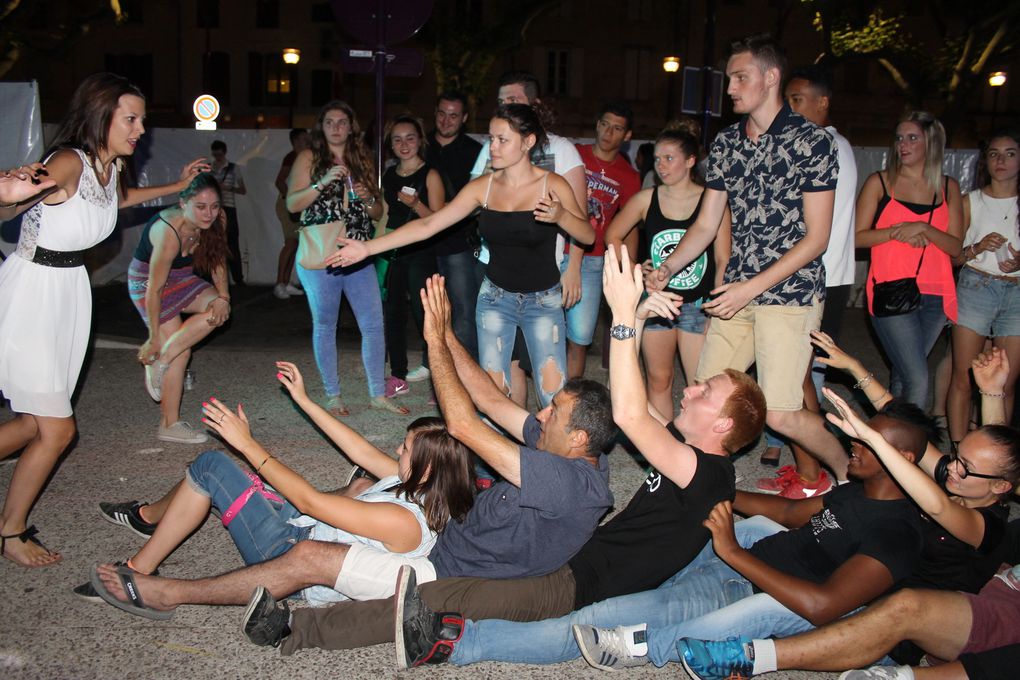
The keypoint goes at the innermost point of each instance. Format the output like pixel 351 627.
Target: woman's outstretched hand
pixel 232 427
pixel 291 379
pixel 350 252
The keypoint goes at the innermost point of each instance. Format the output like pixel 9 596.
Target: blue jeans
pixel 907 340
pixel 540 317
pixel 260 529
pixel 463 273
pixel 582 317
pixel 702 587
pixel 325 289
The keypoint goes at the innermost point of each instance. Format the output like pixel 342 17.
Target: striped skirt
pixel 181 289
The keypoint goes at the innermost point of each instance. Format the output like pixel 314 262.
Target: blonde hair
pixel 934 149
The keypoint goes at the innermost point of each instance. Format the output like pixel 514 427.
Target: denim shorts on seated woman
pixel 988 305
pixel 691 320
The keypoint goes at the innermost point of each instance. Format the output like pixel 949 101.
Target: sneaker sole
pixel 124 524
pixel 155 396
pixel 403 576
pixel 181 440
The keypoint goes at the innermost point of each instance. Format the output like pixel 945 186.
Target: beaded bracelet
pixel 864 382
pixel 996 395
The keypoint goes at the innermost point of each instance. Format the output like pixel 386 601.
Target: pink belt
pixel 256 487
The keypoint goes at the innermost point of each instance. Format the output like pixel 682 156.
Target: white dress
pixel 46 312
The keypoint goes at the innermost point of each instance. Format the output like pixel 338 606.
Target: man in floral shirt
pixel 777 174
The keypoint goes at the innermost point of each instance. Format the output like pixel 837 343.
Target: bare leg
pixel 689 345
pixel 153 512
pixel 518 384
pixel 16 433
pixel 577 355
pixel 308 563
pixel 937 621
pixel 943 374
pixel 966 345
pixel 184 336
pixel 808 430
pixel 185 513
pixel 37 461
pixel 659 350
pixel 806 464
pixel 285 264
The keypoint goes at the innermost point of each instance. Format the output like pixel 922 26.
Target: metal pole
pixel 380 77
pixel 706 77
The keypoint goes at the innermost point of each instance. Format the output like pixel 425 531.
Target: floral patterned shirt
pixel 765 182
pixel 329 207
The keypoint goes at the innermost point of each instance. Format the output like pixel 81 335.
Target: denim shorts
pixel 690 320
pixel 987 305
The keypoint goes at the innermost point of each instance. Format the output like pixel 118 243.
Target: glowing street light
pixel 671 64
pixel 291 55
pixel 997 79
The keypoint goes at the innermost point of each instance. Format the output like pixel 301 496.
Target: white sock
pixel 764 657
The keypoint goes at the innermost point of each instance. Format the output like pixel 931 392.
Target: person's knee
pixel 782 421
pixel 903 607
pixel 319 562
pixel 552 376
pixel 59 433
pixel 660 381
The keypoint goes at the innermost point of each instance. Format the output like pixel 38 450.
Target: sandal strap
pixel 127 581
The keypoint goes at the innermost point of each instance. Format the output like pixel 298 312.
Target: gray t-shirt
pixel 532 530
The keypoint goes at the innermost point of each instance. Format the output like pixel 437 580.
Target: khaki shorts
pixel 773 336
pixel 371 574
pixel 289 227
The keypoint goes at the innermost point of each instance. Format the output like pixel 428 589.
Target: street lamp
pixel 671 64
pixel 996 80
pixel 291 57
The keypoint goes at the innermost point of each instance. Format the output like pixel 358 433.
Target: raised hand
pixel 232 427
pixel 350 252
pixel 436 303
pixel 291 379
pixel 621 282
pixel 549 208
pixel 991 370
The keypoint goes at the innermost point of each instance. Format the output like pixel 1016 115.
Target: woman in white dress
pixel 45 298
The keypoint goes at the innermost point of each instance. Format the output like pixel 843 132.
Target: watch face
pixel 621 332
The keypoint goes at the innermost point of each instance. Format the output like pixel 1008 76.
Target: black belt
pixel 58 258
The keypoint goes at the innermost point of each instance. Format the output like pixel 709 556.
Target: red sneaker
pixel 798 488
pixel 784 477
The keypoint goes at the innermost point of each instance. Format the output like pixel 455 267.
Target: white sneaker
pixel 181 433
pixel 417 374
pixel 880 673
pixel 293 290
pixel 154 379
pixel 610 649
pixel 280 291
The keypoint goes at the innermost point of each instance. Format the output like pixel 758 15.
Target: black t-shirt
pixel 947 563
pixel 849 524
pixel 655 536
pixel 400 214
pixel 454 162
pixel 662 235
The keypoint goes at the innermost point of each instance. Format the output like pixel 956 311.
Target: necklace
pixel 407 173
pixel 993 200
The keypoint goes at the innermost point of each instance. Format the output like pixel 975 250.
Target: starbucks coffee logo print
pixel 663 245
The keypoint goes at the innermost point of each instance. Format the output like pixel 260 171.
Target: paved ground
pixel 47 632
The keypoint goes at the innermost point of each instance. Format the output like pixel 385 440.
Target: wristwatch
pixel 621 332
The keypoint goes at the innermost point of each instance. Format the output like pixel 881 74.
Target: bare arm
pixel 165 247
pixel 864 215
pixel 394 526
pixel 791 513
pixel 723 247
pixel 626 219
pixel 458 410
pixel 695 241
pixel 23 187
pixel 136 195
pixel 560 208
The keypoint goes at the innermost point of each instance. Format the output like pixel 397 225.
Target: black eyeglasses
pixel 966 472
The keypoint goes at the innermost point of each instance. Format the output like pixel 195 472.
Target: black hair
pixel 686 134
pixel 218 145
pixel 984 178
pixel 819 77
pixel 297 132
pixel 1008 440
pixel 593 413
pixel 618 108
pixel 526 80
pixel 524 120
pixel 453 96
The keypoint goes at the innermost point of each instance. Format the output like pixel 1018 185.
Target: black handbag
pixel 899 296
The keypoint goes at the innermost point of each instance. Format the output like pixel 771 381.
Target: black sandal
pixel 25 536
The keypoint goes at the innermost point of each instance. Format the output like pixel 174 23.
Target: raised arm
pixel 394 526
pixel 560 207
pixel 136 195
pixel 165 247
pixel 695 241
pixel 856 582
pixel 991 371
pixel 622 288
pixel 966 524
pixel 462 420
pixel 626 219
pixel 23 187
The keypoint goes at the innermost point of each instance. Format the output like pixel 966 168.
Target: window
pixel 207 13
pixel 216 76
pixel 322 86
pixel 270 81
pixel 557 74
pixel 135 67
pixel 637 73
pixel 267 14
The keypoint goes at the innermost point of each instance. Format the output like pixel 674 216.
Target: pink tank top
pixel 894 260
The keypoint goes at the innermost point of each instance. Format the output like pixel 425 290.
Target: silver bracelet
pixel 994 395
pixel 864 382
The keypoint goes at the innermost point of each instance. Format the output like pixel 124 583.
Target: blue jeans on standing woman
pixel 907 340
pixel 325 289
pixel 500 313
pixel 463 273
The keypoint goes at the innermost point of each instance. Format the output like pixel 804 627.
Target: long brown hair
pixel 356 156
pixel 984 178
pixel 442 477
pixel 212 250
pixel 86 126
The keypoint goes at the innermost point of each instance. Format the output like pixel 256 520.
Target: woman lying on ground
pixel 430 483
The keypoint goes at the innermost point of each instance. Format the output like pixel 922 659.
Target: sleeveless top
pixel 328 206
pixel 143 253
pixel 400 214
pixel 523 250
pixel 662 234
pixel 988 215
pixel 894 260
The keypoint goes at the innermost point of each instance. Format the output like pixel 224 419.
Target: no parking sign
pixel 206 109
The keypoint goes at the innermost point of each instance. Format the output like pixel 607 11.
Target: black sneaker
pixel 266 622
pixel 127 515
pixel 422 635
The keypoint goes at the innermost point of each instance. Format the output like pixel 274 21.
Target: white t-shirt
pixel 559 155
pixel 839 254
pixel 991 215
